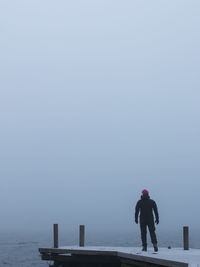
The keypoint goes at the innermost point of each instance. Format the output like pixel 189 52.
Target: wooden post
pixel 82 236
pixel 55 235
pixel 186 238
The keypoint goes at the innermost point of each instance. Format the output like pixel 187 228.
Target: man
pixel 146 206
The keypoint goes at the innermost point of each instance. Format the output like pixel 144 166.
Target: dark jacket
pixel 145 207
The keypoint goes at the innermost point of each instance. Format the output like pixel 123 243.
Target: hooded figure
pixel 146 206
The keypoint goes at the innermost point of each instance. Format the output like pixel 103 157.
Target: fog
pixel 99 100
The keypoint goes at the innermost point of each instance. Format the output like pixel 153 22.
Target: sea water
pixel 20 248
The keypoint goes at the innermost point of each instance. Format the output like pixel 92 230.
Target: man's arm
pixel 155 209
pixel 137 209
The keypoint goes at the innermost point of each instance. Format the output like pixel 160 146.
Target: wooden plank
pixel 134 263
pixel 82 259
pixel 123 255
pixel 77 251
pixel 153 260
pixel 92 260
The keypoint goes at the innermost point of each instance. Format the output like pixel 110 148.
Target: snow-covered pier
pixel 86 256
pixel 119 257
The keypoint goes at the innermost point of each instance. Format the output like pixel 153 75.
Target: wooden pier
pixel 84 256
pixel 119 257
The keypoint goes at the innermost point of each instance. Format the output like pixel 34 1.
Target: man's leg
pixel 152 229
pixel 143 228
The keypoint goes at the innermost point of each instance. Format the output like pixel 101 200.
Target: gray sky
pixel 99 100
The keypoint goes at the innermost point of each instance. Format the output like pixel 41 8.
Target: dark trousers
pixel 143 228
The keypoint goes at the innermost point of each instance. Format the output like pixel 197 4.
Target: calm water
pixel 20 248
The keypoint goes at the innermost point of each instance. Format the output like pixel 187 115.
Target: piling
pixel 55 235
pixel 186 238
pixel 82 235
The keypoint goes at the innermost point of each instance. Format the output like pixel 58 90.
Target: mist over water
pixel 98 100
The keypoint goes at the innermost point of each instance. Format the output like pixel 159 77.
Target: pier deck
pixel 120 256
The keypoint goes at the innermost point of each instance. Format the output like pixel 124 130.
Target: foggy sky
pixel 99 100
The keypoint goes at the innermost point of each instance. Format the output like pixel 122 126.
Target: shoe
pixel 144 248
pixel 155 247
